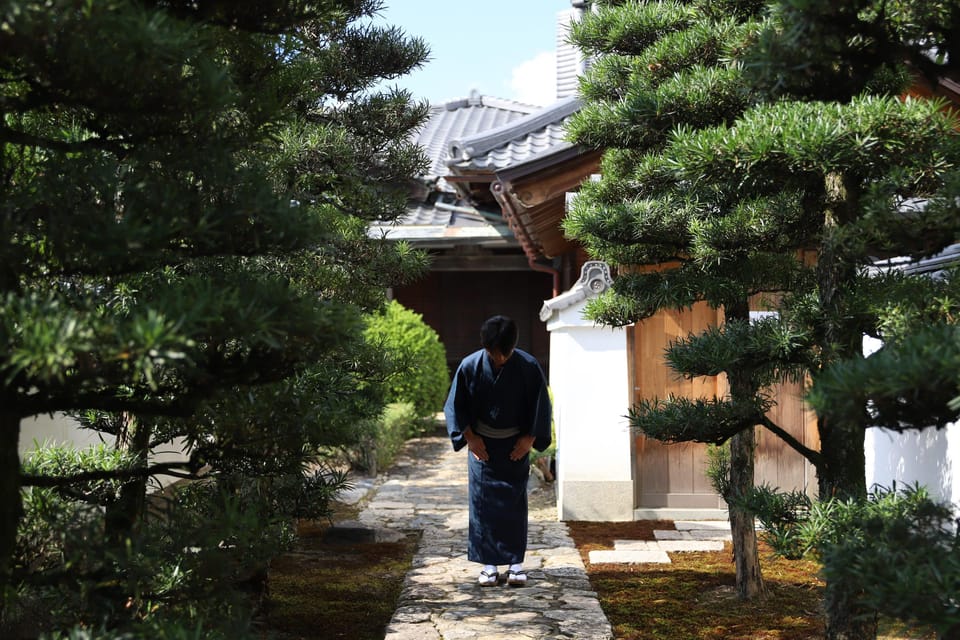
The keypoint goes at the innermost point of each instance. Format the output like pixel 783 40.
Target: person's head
pixel 498 335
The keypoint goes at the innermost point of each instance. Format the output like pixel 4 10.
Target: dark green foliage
pixel 155 630
pixel 761 150
pixel 899 551
pixel 783 516
pixel 678 419
pixel 419 361
pixel 199 553
pixel 185 190
pixel 804 40
pixel 718 469
pixel 382 437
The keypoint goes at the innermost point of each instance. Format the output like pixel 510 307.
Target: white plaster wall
pixel 929 457
pixel 588 374
pixel 925 457
pixel 55 429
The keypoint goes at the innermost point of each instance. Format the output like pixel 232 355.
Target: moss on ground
pixel 337 590
pixel 694 597
pixel 350 590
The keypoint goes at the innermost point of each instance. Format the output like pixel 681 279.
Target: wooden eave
pixel 533 197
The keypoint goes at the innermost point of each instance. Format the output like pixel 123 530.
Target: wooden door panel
pixel 674 475
pixel 670 475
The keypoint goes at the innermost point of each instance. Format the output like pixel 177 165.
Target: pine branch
pixel 815 458
pixel 31 480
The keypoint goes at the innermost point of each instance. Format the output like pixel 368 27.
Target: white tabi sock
pixel 516 567
pixel 490 569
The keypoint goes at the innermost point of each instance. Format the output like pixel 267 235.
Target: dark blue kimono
pixel 501 406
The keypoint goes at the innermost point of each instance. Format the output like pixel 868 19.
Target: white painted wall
pixel 929 457
pixel 926 457
pixel 588 376
pixel 55 429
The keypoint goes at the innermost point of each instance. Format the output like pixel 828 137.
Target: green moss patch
pixel 337 590
pixel 694 597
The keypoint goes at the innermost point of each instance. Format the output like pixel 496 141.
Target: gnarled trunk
pixel 122 517
pixel 842 472
pixel 742 527
pixel 746 558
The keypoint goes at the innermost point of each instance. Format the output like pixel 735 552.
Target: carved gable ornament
pixel 594 279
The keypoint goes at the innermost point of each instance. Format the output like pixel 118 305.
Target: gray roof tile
pixel 517 141
pixel 461 118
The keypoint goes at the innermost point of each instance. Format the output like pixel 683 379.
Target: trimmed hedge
pixel 420 363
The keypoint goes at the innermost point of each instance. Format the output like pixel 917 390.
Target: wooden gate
pixel 673 475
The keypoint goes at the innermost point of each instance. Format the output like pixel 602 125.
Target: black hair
pixel 499 333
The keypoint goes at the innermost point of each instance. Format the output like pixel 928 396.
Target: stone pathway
pixel 441 600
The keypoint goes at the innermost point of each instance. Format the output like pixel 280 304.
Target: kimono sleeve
pixel 542 419
pixel 457 408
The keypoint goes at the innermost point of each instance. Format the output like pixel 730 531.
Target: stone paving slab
pixel 427 490
pixel 708 534
pixel 686 525
pixel 679 546
pixel 636 545
pixel 629 556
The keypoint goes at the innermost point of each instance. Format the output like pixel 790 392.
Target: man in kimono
pixel 499 408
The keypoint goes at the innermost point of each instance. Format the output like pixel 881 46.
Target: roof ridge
pixel 476 99
pixel 480 143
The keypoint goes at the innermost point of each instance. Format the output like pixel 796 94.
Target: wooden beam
pixel 536 189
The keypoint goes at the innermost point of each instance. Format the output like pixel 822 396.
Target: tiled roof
pixel 461 118
pixel 446 220
pixel 443 217
pixel 947 259
pixel 516 142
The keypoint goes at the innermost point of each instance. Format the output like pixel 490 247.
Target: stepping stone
pixel 666 534
pixel 705 534
pixel 687 525
pixel 691 545
pixel 636 545
pixel 629 557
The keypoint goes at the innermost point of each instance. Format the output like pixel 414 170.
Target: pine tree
pixel 186 188
pixel 733 182
pixel 660 67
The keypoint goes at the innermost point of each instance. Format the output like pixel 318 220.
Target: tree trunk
pixel 122 516
pixel 742 527
pixel 843 476
pixel 746 558
pixel 842 472
pixel 845 620
pixel 11 502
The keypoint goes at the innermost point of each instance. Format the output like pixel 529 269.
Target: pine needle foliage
pixel 768 150
pixel 185 190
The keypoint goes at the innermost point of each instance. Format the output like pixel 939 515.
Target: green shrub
pixel 899 551
pixel 193 567
pixel 420 364
pixel 783 516
pixel 550 451
pixel 383 437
